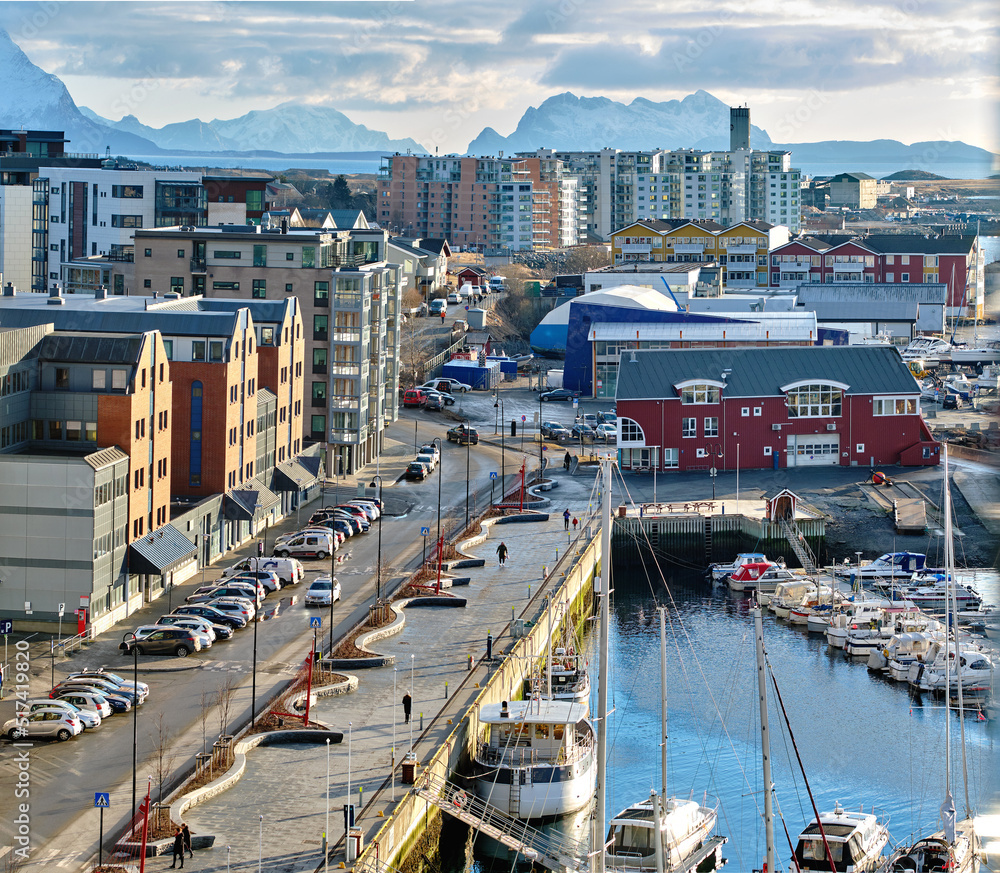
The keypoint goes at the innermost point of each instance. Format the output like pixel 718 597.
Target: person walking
pixel 186 831
pixel 178 848
pixel 502 553
pixel 443 316
pixel 407 705
pixel 574 523
pixel 566 520
pixel 566 461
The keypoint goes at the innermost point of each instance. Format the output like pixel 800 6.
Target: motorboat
pixel 892 565
pixel 929 591
pixel 685 826
pixel 762 577
pixel 861 641
pixel 901 651
pixel 931 350
pixel 860 613
pixel 977 355
pixel 988 381
pixel 720 571
pixel 827 615
pixel 790 594
pixel 936 853
pixel 535 758
pixel 856 841
pixel 565 678
pixel 974 671
pixel 822 604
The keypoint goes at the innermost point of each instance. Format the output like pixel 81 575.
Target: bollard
pixel 544 571
pixel 513 614
pixel 489 646
pixel 557 556
pixel 445 689
pixel 421 721
pixel 361 797
pixel 470 663
pixel 529 592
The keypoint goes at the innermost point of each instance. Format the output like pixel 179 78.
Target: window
pixel 181 254
pixel 320 326
pixel 73 430
pixel 62 377
pixel 859 448
pixel 904 277
pixel 126 192
pixel 700 393
pixel 126 221
pixel 177 285
pixel 198 350
pixel 168 348
pixel 319 360
pixel 767 451
pixel 226 255
pixel 55 430
pixel 226 286
pixel 147 283
pixel 745 411
pixel 308 256
pixel 215 350
pixel 318 426
pixel 894 406
pixel 289 288
pixel 671 459
pixel 321 293
pixel 259 288
pixel 148 253
pixel 119 379
pixel 814 401
pixel 99 379
pixel 260 256
pixel 289 256
pixel 90 432
pixel 758 411
pixel 711 427
pixel 631 432
pixel 689 427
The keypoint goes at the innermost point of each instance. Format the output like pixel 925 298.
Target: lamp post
pixel 253 681
pixel 498 402
pixel 714 451
pixel 378 570
pixel 135 707
pixel 411 704
pixel 326 833
pixel 392 756
pixel 333 579
pixel 468 461
pixel 439 531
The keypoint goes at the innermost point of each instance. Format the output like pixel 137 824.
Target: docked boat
pixel 721 571
pixel 932 590
pixel 567 677
pixel 938 671
pixel 892 565
pixel 789 595
pixel 861 641
pixel 895 657
pixel 859 614
pixel 762 577
pixel 685 826
pixel 932 350
pixel 936 853
pixel 856 842
pixel 535 758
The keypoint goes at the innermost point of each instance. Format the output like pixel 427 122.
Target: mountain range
pixel 34 99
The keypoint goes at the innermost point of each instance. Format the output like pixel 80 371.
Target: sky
pixel 442 70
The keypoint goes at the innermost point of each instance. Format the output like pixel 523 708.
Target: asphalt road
pixel 65 776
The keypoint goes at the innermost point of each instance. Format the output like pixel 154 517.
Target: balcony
pixel 344 368
pixel 850 267
pixel 198 265
pixel 742 250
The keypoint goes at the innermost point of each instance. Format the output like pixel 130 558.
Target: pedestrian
pixel 566 461
pixel 443 316
pixel 186 831
pixel 407 705
pixel 178 848
pixel 575 522
pixel 502 553
pixel 566 519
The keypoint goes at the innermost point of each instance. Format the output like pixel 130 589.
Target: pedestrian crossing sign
pixel 425 531
pixel 315 621
pixel 102 799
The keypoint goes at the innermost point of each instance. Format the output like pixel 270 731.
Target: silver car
pixel 89 717
pixel 53 723
pixel 88 701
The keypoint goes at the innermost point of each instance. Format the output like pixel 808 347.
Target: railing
pixel 198 265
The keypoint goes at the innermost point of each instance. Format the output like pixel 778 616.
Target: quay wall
pixel 415 817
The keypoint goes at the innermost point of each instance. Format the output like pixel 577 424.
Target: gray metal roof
pixel 160 551
pixel 870 292
pixel 880 310
pixel 248 499
pixel 91 348
pixel 105 457
pixel 760 372
pixel 292 476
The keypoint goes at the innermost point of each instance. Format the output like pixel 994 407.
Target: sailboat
pixel 956 846
pixel 668 835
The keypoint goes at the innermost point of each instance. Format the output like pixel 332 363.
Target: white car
pixel 429 461
pixel 86 700
pixel 454 297
pixel 431 449
pixel 319 592
pixel 446 384
pixel 54 723
pixel 91 718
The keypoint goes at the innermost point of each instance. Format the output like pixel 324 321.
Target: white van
pixel 311 545
pixel 289 570
pixel 497 283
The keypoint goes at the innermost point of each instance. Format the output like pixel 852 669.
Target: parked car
pixel 446 385
pixel 583 431
pixel 435 402
pixel 590 419
pixel 126 686
pixel 217 616
pixel 215 631
pixel 177 641
pixel 553 430
pixel 88 717
pixel 463 435
pixel 414 397
pixel 320 591
pixel 371 510
pixel 231 589
pixel 258 568
pixel 607 417
pixel 558 394
pixel 235 606
pixel 116 700
pixel 264 580
pixel 454 297
pixel 951 400
pixel 416 470
pixel 607 432
pixel 429 460
pixel 52 723
pixel 87 700
pixel 308 545
pixel 437 306
pixel 321 529
pixel 445 398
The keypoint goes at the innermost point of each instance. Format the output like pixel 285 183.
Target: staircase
pixel 547 849
pixel 799 545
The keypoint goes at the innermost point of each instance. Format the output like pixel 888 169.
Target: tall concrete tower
pixel 739 127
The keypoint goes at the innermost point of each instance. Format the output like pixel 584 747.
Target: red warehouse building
pixel 794 406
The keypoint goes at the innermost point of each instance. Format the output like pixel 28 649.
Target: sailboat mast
pixel 600 823
pixel 548 658
pixel 765 737
pixel 948 572
pixel 663 702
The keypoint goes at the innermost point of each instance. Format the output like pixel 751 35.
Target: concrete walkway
pixel 287 785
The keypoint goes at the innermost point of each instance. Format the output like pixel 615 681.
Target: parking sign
pixel 6 626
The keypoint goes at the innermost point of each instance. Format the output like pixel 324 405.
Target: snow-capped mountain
pixel 36 100
pixel 566 121
pixel 290 128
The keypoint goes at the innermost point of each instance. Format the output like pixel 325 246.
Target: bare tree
pixel 204 720
pixel 161 738
pixel 224 700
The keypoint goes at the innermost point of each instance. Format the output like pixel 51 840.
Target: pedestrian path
pixel 288 784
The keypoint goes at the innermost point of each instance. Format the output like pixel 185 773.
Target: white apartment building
pixel 15 234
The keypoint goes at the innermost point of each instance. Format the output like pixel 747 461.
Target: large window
pixel 711 427
pixel 126 221
pixel 689 427
pixel 260 256
pixel 700 393
pixel 814 401
pixel 631 432
pixel 127 192
pixel 894 406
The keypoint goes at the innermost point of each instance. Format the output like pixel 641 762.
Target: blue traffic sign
pixel 425 531
pixel 102 799
pixel 315 621
pixel 493 475
pixel 6 626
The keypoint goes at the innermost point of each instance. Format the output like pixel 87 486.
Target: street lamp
pixel 439 531
pixel 498 401
pixel 378 570
pixel 714 451
pixel 135 707
pixel 468 460
pixel 326 834
pixel 333 579
pixel 253 681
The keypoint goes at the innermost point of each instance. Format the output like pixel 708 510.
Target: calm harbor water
pixel 862 739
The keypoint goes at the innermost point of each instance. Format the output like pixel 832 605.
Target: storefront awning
pixel 249 502
pixel 160 552
pixel 293 475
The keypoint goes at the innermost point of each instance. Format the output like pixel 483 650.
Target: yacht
pixel 685 826
pixel 856 841
pixel 892 565
pixel 762 577
pixel 720 571
pixel 535 758
pixel 929 349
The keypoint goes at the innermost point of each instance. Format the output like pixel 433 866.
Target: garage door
pixel 813 450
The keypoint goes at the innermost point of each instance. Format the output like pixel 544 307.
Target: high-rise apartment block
pixel 521 204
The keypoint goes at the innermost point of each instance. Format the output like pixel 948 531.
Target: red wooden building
pixel 793 406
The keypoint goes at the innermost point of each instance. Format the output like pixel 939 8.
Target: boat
pixel 938 670
pixel 720 571
pixel 891 565
pixel 980 354
pixel 988 382
pixel 956 847
pixel 861 641
pixel 931 591
pixel 535 758
pixel 762 576
pixel 856 841
pixel 788 595
pixel 901 651
pixel 565 675
pixel 932 350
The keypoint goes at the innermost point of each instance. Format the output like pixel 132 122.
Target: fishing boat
pixel 891 565
pixel 855 840
pixel 861 613
pixel 535 758
pixel 956 847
